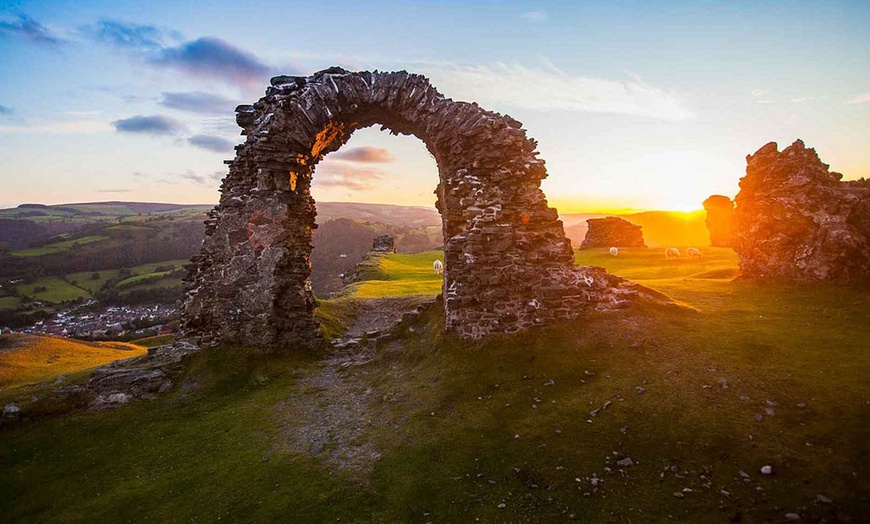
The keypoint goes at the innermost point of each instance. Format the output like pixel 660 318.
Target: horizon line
pixel 591 211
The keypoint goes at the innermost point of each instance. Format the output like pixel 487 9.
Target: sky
pixel 635 105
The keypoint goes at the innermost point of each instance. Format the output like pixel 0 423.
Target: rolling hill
pixel 27 359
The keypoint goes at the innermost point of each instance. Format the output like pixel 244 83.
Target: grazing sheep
pixel 694 252
pixel 614 251
pixel 438 267
pixel 672 252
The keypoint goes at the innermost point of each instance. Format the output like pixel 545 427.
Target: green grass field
pixel 507 429
pixel 9 302
pixel 400 275
pixel 56 290
pixel 156 340
pixel 92 285
pixel 62 289
pixel 132 281
pixel 56 247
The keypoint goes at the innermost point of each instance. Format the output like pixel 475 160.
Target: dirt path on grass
pixel 377 314
pixel 329 413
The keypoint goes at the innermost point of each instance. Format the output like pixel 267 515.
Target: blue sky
pixel 635 105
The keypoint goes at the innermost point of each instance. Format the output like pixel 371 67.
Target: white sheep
pixel 694 252
pixel 672 252
pixel 438 267
pixel 614 251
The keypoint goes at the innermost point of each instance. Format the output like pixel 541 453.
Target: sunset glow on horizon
pixel 649 114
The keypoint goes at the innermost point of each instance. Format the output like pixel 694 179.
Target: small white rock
pixel 766 470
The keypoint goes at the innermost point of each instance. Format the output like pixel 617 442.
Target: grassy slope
pixel 26 359
pixel 401 275
pixel 458 435
pixel 56 290
pixel 9 302
pixel 60 290
pixel 154 341
pixel 84 280
pixel 65 245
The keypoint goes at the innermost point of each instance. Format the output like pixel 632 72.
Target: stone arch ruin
pixel 508 264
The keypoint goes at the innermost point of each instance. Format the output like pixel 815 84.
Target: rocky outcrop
pixel 797 220
pixel 508 264
pixel 384 244
pixel 720 220
pixel 612 232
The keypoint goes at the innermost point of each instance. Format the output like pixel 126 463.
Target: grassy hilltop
pixel 28 359
pixel 526 428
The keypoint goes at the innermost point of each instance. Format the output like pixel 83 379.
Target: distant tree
pixel 95 276
pixel 40 289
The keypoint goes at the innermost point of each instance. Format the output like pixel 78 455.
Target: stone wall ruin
pixel 612 232
pixel 719 220
pixel 508 264
pixel 797 220
pixel 384 244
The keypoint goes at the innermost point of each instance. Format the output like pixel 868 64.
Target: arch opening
pixel 356 190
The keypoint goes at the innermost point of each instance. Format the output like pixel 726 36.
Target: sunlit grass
pixel 27 359
pixel 401 275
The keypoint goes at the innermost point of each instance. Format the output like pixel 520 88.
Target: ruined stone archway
pixel 508 264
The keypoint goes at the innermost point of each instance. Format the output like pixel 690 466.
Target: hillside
pixel 645 415
pixel 27 359
pixel 32 224
pixel 396 215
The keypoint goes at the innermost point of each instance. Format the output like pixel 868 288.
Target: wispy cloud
pixel 206 57
pixel 114 190
pixel 205 180
pixel 801 99
pixel 211 143
pixel 198 102
pixel 29 29
pixel 535 16
pixel 758 93
pixel 550 88
pixel 130 36
pixel 6 110
pixel 345 177
pixel 366 155
pixel 860 99
pixel 149 125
